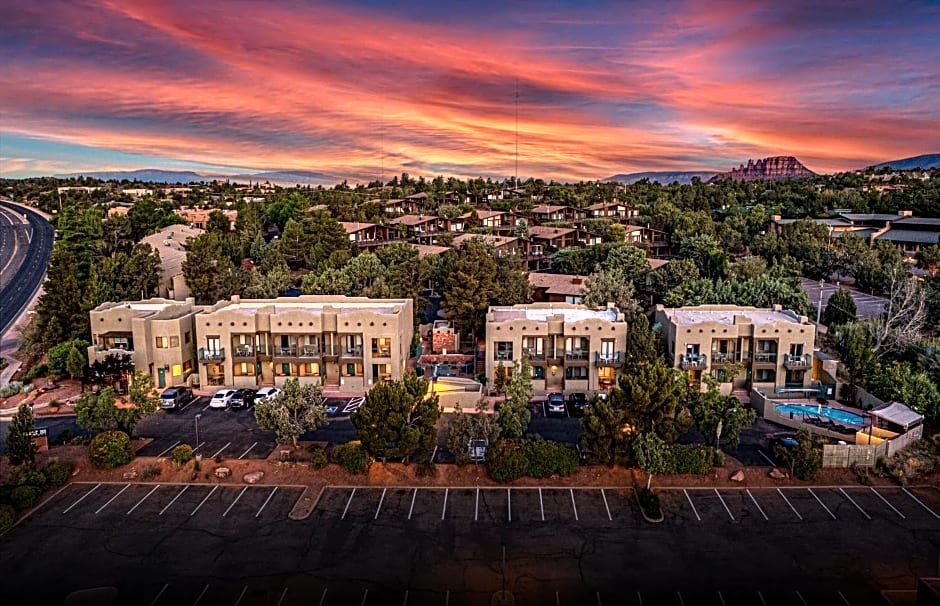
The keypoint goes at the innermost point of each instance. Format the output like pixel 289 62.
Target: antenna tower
pixel 516 178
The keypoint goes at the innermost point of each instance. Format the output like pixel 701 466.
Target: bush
pixel 55 404
pixel 110 449
pixel 544 458
pixel 690 459
pixel 862 474
pixel 7 517
pixel 505 461
pixel 31 477
pixel 58 473
pixel 352 456
pixel 11 389
pixel 181 455
pixel 649 501
pixel 24 497
pixel 318 458
pixel 40 370
pixel 150 471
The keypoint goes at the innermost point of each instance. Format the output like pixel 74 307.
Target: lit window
pixel 177 370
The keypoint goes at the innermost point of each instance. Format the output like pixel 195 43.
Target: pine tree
pixel 20 445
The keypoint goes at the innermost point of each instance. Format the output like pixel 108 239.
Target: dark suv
pixel 577 402
pixel 243 398
pixel 174 398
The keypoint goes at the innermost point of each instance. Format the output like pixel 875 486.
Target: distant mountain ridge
pixel 766 169
pixel 155 175
pixel 925 161
pixel 663 177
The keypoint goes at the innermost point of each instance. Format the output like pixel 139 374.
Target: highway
pixel 25 247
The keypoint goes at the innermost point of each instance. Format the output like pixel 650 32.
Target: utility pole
pixel 196 419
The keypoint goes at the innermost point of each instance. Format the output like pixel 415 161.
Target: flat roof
pixel 313 304
pixel 910 235
pixel 725 314
pixel 573 313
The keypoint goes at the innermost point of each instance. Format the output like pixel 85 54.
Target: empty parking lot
pixel 235 545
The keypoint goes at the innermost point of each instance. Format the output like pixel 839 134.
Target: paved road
pixel 27 246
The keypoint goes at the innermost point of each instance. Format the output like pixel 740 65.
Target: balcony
pixel 351 352
pixel 576 355
pixel 765 357
pixel 535 355
pixel 693 361
pixel 309 351
pixel 243 351
pixel 381 352
pixel 211 355
pixel 285 352
pixel 503 356
pixel 608 359
pixel 797 362
pixel 725 357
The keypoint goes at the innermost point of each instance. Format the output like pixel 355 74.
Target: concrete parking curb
pixel 303 508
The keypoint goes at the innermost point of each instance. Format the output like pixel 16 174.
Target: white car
pixel 266 394
pixel 222 398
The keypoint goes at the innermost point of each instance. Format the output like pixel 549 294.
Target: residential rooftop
pixel 726 314
pixel 542 312
pixel 311 303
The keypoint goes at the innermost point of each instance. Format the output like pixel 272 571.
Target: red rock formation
pixel 777 167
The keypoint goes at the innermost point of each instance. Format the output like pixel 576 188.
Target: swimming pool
pixel 812 410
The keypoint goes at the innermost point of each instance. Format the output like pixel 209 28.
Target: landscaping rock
pixel 130 475
pixel 778 475
pixel 222 472
pixel 253 477
pixel 738 476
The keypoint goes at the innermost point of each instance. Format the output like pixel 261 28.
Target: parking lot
pixel 235 545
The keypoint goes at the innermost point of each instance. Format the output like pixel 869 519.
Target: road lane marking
pixel 823 504
pixel 766 458
pixel 152 490
pixel 681 601
pixel 574 507
pixel 351 495
pixel 219 451
pixel 783 496
pixel 857 506
pixel 265 504
pixel 242 456
pixel 844 599
pixel 235 501
pixel 119 493
pixel 241 595
pixel 639 598
pixel 721 599
pixel 725 505
pixel 159 595
pixel 447 598
pixel 509 504
pixel 802 599
pixel 541 504
pixel 281 600
pixel 178 495
pixel 762 600
pixel 379 508
pixel 412 508
pixel 404 602
pixel 557 599
pixel 476 507
pixel 606 506
pixel 322 597
pixel 80 499
pixel 201 503
pixel 922 504
pixel 444 508
pixel 365 596
pixel 756 504
pixel 695 511
pixel 174 445
pixel 204 590
pixel 886 502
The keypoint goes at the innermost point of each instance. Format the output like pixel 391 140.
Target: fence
pixel 846 455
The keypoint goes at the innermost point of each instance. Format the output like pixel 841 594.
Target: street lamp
pixel 822 283
pixel 196 419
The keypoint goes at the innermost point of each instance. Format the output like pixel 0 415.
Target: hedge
pixel 7 517
pixel 689 459
pixel 58 473
pixel 352 456
pixel 533 456
pixel 24 497
pixel 110 449
pixel 31 477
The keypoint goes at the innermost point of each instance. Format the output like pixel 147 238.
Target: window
pixel 538 372
pixel 503 351
pixel 187 366
pixel 174 341
pixel 765 375
pixel 381 372
pixel 577 373
pixel 177 370
pixel 186 337
pixel 163 342
pixel 382 347
pixel 310 369
pixel 352 370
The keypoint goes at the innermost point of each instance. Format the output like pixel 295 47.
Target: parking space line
pixel 802 599
pixel 444 508
pixel 242 456
pixel 206 407
pixel 639 598
pixel 189 404
pixel 433 454
pixel 351 495
pixel 857 506
pixel 724 504
pixel 241 595
pixel 844 599
pixel 201 503
pixel 404 602
pixel 888 503
pixel 681 601
pixel 265 504
pixel 922 504
pixel 80 499
pixel 172 446
pixel 756 504
pixel 823 504
pixel 365 596
pixel 159 594
pixel 573 506
pixel 695 511
pixel 219 451
pixel 198 446
pixel 721 599
pixel 766 458
pixel 761 597
pixel 281 600
pixel 476 507
pixel 509 503
pixel 119 493
pixel 152 490
pixel 412 508
pixel 379 508
pixel 178 495
pixel 541 504
pixel 322 597
pixel 447 598
pixel 606 506
pixel 784 497
pixel 557 599
pixel 204 590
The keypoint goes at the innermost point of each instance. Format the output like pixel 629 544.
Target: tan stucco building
pixel 170 244
pixel 347 343
pixel 158 334
pixel 571 348
pixel 774 346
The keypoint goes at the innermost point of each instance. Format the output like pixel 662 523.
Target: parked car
pixel 555 404
pixel 222 398
pixel 784 441
pixel 266 394
pixel 577 402
pixel 174 398
pixel 243 398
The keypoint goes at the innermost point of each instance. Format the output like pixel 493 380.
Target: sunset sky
pixel 363 89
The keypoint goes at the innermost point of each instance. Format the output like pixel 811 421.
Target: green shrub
pixel 58 473
pixel 318 458
pixel 352 456
pixel 690 459
pixel 7 517
pixel 110 449
pixel 24 497
pixel 544 458
pixel 150 471
pixel 181 455
pixel 649 501
pixel 31 477
pixel 505 461
pixel 11 389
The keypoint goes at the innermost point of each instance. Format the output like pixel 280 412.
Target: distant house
pixel 502 245
pixel 556 288
pixel 554 213
pixel 655 242
pixel 198 218
pixel 420 228
pixel 368 236
pixel 617 211
pixel 169 243
pixel 910 234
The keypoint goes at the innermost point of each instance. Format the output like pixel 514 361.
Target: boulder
pixel 222 472
pixel 130 475
pixel 738 476
pixel 253 477
pixel 777 474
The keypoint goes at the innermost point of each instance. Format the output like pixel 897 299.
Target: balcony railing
pixel 381 352
pixel 309 351
pixel 798 361
pixel 285 352
pixel 211 355
pixel 576 355
pixel 608 359
pixel 536 355
pixel 502 355
pixel 351 352
pixel 104 348
pixel 243 351
pixel 725 357
pixel 690 361
pixel 765 357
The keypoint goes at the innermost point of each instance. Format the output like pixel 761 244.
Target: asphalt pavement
pixel 31 256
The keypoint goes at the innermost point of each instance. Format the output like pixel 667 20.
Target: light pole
pixel 822 283
pixel 196 419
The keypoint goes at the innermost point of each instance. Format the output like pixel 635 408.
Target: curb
pixel 297 511
pixel 658 520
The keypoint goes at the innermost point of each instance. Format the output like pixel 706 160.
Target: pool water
pixel 840 416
